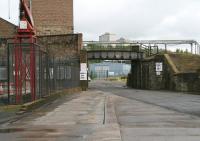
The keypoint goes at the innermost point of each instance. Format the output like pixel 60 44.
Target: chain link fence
pixel 52 74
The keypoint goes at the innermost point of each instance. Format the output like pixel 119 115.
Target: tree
pixel 178 51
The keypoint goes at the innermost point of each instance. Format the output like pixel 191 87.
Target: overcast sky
pixel 9 10
pixel 132 19
pixel 139 19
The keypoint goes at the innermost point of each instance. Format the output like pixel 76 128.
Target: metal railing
pixel 147 50
pixel 149 47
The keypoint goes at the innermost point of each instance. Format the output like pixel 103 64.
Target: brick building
pixel 7 29
pixel 53 17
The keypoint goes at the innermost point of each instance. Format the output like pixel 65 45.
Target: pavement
pixel 82 117
pixel 109 111
pixel 6 116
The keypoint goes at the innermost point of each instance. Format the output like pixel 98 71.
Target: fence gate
pixel 25 65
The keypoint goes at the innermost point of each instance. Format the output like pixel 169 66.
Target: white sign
pixel 23 25
pixel 159 67
pixel 158 73
pixel 83 76
pixel 83 67
pixel 111 73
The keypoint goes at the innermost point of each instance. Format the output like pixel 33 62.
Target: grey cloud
pixel 133 19
pixel 138 19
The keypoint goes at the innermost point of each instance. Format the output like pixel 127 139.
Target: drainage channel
pixel 104 116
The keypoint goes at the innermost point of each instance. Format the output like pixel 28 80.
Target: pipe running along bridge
pixel 133 50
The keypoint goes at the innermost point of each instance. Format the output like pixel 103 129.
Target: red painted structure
pixel 24 55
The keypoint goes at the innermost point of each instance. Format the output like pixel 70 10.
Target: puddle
pixel 14 130
pixel 11 130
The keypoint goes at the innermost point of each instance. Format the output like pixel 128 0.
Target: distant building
pixel 108 69
pixel 121 40
pixel 107 37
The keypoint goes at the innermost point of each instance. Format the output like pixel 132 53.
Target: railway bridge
pixel 152 66
pixel 115 53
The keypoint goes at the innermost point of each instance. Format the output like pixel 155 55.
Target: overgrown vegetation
pixel 95 61
pixel 182 52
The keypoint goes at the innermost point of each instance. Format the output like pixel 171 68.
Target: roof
pixel 7 29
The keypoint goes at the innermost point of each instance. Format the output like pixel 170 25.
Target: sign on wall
pixel 159 67
pixel 23 25
pixel 83 67
pixel 83 76
pixel 83 72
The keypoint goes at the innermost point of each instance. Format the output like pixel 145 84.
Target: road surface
pixel 108 111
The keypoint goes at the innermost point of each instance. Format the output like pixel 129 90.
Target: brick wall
pixel 53 17
pixel 7 30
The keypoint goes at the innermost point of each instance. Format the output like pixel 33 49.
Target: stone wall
pixel 187 82
pixel 84 59
pixel 67 46
pixel 143 76
pixel 64 55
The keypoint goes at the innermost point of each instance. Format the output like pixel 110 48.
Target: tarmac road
pixel 108 111
pixel 154 115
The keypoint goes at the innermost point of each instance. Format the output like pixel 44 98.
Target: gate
pixel 27 70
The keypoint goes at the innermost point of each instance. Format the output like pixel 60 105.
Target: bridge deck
pixel 115 55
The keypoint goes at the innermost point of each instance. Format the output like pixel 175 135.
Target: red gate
pixel 24 54
pixel 24 67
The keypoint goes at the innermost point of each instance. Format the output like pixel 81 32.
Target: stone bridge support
pixel 145 74
pixel 136 75
pixel 84 60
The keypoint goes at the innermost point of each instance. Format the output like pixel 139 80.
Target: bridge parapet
pixel 149 47
pixel 135 48
pixel 106 52
pixel 114 55
pixel 126 51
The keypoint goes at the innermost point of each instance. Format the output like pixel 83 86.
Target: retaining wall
pixel 143 76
